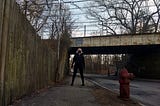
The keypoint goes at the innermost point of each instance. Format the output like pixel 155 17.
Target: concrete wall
pixel 26 62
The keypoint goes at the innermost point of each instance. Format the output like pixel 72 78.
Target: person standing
pixel 79 63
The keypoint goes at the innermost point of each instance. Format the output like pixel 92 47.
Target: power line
pixel 86 30
pixel 80 14
pixel 90 25
pixel 84 7
pixel 78 1
pixel 67 2
pixel 85 22
pixel 77 13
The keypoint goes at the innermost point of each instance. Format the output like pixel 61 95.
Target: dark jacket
pixel 78 60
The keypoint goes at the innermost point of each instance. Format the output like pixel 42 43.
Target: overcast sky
pixel 80 16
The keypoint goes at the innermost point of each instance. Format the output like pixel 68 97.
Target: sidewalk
pixel 77 95
pixel 63 95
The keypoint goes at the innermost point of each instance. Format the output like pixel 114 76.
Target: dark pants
pixel 75 72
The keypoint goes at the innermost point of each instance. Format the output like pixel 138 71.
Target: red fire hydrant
pixel 124 81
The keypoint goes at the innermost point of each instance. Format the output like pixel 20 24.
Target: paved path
pixel 63 95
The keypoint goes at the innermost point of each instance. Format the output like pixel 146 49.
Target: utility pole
pixel 26 7
pixel 59 39
pixel 84 30
pixel 102 28
pixel 59 29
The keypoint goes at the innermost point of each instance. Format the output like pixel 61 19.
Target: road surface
pixel 147 92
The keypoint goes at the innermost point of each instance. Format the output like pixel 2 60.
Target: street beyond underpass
pixel 147 92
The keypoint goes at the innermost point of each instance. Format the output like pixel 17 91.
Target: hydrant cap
pixel 124 73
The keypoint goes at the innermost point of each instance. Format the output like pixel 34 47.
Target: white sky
pixel 91 28
pixel 80 17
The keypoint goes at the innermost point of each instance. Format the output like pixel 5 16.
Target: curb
pixel 94 82
pixel 147 80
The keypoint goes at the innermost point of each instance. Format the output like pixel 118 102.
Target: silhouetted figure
pixel 79 63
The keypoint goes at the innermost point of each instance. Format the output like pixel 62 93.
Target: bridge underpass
pixel 117 49
pixel 144 62
pixel 143 50
pixel 136 58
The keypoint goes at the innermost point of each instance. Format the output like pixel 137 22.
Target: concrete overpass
pixel 119 44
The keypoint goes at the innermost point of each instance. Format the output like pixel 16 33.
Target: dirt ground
pixel 107 98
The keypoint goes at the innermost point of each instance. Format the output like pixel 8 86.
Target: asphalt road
pixel 146 92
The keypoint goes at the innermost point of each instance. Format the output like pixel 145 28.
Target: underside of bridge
pixel 133 49
pixel 144 60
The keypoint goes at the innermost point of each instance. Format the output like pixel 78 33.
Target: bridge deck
pixel 120 40
pixel 116 44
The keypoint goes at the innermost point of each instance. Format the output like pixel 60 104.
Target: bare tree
pixel 156 22
pixel 60 20
pixel 34 11
pixel 45 16
pixel 126 16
